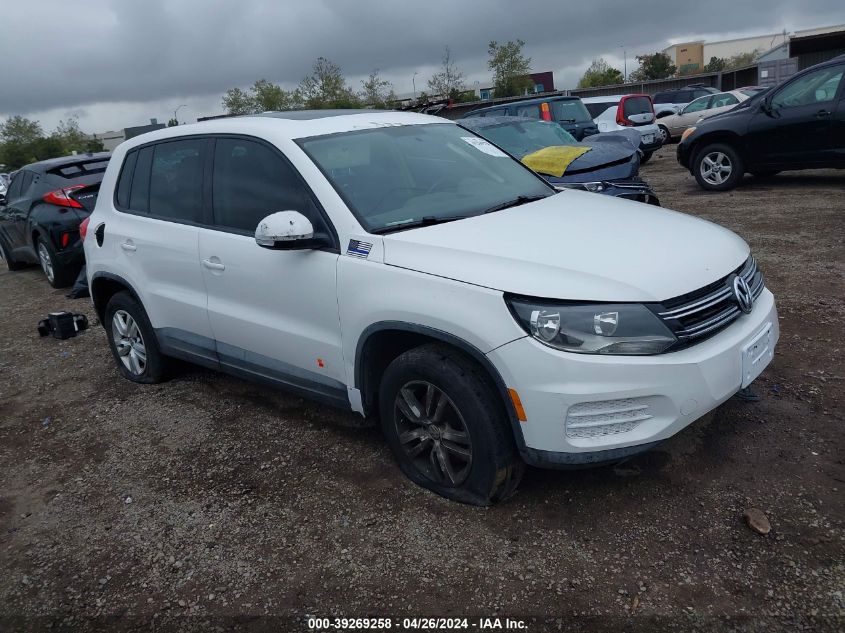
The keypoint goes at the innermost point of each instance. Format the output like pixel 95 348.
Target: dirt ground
pixel 208 501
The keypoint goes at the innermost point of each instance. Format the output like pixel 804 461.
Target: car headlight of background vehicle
pixel 687 132
pixel 595 187
pixel 593 328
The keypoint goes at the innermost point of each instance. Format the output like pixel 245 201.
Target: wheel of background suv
pixel 645 157
pixel 717 167
pixel 6 256
pixel 132 340
pixel 57 275
pixel 446 427
pixel 665 137
pixel 763 175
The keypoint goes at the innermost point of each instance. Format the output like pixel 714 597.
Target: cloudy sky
pixel 117 63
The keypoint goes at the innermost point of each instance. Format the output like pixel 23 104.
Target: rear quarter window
pixel 599 108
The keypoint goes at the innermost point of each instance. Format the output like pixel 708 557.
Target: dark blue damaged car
pixel 607 163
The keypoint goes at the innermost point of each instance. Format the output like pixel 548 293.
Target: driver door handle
pixel 213 265
pixel 128 246
pixel 822 113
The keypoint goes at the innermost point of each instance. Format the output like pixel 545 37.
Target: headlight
pixel 595 187
pixel 593 328
pixel 687 132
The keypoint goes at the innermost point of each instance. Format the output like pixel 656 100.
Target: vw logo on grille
pixel 742 294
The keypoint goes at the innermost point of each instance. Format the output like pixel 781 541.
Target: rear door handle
pixel 128 246
pixel 213 265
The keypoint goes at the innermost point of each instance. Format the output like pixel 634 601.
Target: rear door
pixel 274 313
pixel 798 127
pixel 161 206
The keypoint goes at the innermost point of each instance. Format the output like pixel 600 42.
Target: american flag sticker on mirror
pixel 359 249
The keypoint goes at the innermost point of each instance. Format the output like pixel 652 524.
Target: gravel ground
pixel 211 501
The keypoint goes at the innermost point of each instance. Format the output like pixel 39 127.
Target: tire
pixel 6 256
pixel 459 414
pixel 57 275
pixel 665 137
pixel 763 175
pixel 721 155
pixel 127 326
pixel 646 157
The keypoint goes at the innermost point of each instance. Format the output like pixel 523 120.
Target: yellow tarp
pixel 553 160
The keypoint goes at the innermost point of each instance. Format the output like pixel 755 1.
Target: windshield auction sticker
pixel 483 146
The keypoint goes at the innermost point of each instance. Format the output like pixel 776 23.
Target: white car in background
pixel 624 112
pixel 401 267
pixel 674 125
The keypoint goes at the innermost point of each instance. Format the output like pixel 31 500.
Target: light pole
pixel 176 112
pixel 414 83
pixel 625 62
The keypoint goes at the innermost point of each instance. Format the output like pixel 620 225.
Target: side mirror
pixel 287 230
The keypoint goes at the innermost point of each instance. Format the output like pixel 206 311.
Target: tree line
pixel 657 66
pixel 326 87
pixel 23 141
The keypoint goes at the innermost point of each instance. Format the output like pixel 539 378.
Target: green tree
pixel 655 66
pixel 236 101
pixel 270 97
pixel 377 92
pixel 68 134
pixel 741 60
pixel 511 69
pixel 715 65
pixel 326 87
pixel 600 73
pixel 21 141
pixel 449 82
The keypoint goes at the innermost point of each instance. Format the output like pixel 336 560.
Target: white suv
pixel 397 265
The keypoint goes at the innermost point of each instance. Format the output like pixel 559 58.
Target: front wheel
pixel 717 167
pixel 646 157
pixel 446 428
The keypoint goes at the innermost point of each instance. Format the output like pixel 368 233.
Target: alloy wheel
pixel 129 342
pixel 46 262
pixel 664 135
pixel 432 433
pixel 716 168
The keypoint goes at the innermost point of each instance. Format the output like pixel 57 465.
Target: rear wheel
pixel 58 275
pixel 446 427
pixel 6 257
pixel 132 340
pixel 717 167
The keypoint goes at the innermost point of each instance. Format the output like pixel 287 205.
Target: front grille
pixel 700 314
pixel 605 417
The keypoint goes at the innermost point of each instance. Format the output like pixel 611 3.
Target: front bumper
pixel 647 398
pixel 683 154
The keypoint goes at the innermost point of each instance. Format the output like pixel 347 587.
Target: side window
pixel 175 189
pixel 125 179
pixel 530 111
pixel 720 101
pixel 250 181
pixel 698 105
pixel 15 186
pixel 819 86
pixel 139 194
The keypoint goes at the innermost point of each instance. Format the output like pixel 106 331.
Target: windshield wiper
pixel 429 220
pixel 514 203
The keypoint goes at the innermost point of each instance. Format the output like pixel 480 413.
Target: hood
pixel 577 246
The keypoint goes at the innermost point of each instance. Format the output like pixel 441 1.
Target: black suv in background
pixel 45 203
pixel 799 124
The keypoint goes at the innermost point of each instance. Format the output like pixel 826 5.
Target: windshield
pixel 393 176
pixel 521 138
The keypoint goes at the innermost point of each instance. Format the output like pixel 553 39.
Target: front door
pixel 274 313
pixel 793 127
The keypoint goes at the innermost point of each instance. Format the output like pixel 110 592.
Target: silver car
pixel 674 125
